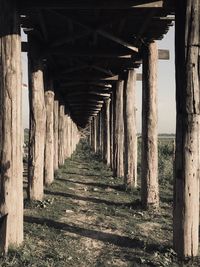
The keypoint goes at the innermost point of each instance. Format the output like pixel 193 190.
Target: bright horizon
pixel 166 89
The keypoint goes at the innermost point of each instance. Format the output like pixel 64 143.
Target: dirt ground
pixel 87 220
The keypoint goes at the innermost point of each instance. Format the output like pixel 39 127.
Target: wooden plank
pixel 90 4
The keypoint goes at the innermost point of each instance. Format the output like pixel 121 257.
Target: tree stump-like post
pixel 11 189
pixel 106 132
pixel 111 131
pixel 67 152
pixel 130 132
pixel 118 142
pixel 98 126
pixel 61 150
pixel 149 157
pixel 187 158
pixel 55 128
pixel 49 140
pixel 94 135
pixel 102 129
pixel 37 126
pixel 70 136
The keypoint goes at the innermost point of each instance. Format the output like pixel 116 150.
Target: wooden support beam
pixel 149 158
pixel 85 83
pixel 61 136
pixel 111 129
pixel 118 144
pixel 37 129
pixel 106 132
pixel 77 4
pixel 94 134
pixel 84 51
pixel 11 168
pixel 49 137
pixel 187 155
pixel 130 132
pixel 56 121
pixel 82 93
pixel 85 104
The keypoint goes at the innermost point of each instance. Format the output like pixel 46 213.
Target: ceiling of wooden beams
pixel 87 45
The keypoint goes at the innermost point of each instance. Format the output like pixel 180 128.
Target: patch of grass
pixel 86 219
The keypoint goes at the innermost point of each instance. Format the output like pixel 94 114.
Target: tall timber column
pixel 130 132
pixel 101 128
pixel 67 152
pixel 98 129
pixel 106 132
pixel 37 126
pixel 119 131
pixel 111 130
pixel 49 140
pixel 70 136
pixel 61 125
pixel 55 129
pixel 94 135
pixel 149 158
pixel 11 189
pixel 187 163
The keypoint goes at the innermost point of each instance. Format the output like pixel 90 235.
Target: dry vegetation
pixel 88 220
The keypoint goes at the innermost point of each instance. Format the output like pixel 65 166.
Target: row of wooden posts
pixel 113 132
pixel 53 134
pixel 186 169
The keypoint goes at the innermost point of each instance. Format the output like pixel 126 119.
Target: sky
pixel 166 89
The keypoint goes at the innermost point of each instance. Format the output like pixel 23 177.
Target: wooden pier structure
pixel 83 57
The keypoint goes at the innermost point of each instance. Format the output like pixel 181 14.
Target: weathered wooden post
pixel 118 143
pixel 67 143
pixel 130 132
pixel 111 130
pixel 106 132
pixel 56 122
pixel 149 158
pixel 102 129
pixel 49 140
pixel 37 124
pixel 187 158
pixel 94 135
pixel 11 189
pixel 61 150
pixel 70 136
pixel 98 130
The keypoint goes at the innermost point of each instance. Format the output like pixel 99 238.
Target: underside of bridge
pixel 82 61
pixel 86 46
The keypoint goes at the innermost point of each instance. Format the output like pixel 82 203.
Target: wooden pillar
pixel 149 158
pixel 98 130
pixel 101 128
pixel 61 151
pixel 49 140
pixel 94 135
pixel 70 136
pixel 111 131
pixel 186 169
pixel 37 127
pixel 130 132
pixel 119 131
pixel 67 152
pixel 11 189
pixel 56 122
pixel 106 132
